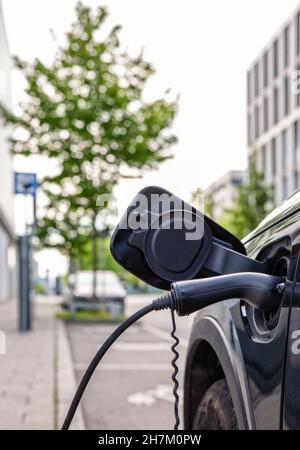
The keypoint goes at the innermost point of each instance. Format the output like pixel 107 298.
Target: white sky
pixel 201 50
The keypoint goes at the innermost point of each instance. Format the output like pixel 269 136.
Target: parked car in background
pixel 110 292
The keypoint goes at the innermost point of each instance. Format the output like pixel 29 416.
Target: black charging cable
pixel 260 290
pixel 108 343
pixel 97 358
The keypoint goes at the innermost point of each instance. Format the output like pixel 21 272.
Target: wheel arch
pixel 211 357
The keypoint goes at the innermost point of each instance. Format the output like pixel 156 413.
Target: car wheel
pixel 216 411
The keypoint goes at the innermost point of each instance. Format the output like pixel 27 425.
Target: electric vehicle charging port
pixel 263 324
pixel 271 318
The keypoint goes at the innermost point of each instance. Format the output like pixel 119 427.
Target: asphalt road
pixel 132 387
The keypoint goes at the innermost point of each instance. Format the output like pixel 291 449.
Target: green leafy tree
pixel 254 199
pixel 209 206
pixel 87 111
pixel 104 262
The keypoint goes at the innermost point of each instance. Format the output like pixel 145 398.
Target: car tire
pixel 216 411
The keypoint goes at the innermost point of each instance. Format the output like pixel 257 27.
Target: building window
pixel 297 93
pixel 273 157
pixel 249 126
pixel 275 105
pixel 298 34
pixel 284 188
pixel 275 59
pixel 295 140
pixel 236 181
pixel 266 113
pixel 265 69
pixel 264 160
pixel 249 87
pixel 286 96
pixel 286 46
pixel 272 191
pixel 256 80
pixel 296 152
pixel 283 151
pixel 296 179
pixel 256 122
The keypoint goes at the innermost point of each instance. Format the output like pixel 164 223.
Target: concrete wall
pixel 6 167
pixel 7 243
pixel 223 191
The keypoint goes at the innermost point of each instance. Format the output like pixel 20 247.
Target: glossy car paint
pixel 262 372
pixel 291 388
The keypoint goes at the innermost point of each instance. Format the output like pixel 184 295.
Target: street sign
pixel 25 183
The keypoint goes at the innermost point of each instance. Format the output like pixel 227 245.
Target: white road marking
pixel 141 346
pixel 150 396
pixel 163 334
pixel 107 329
pixel 141 399
pixel 127 366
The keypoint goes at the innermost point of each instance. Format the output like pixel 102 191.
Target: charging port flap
pixel 162 239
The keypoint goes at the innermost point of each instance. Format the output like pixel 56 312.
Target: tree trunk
pixel 94 261
pixel 72 268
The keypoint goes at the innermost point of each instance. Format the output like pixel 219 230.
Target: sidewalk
pixel 37 381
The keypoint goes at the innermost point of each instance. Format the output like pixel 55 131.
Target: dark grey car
pixel 243 365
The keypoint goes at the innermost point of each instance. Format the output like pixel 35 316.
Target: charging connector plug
pixel 259 290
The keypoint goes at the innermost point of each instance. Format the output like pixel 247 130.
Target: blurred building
pixel 273 111
pixel 7 239
pixel 222 192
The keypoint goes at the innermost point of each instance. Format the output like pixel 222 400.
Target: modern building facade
pixel 273 110
pixel 222 192
pixel 7 239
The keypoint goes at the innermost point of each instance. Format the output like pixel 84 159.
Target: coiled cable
pixel 174 375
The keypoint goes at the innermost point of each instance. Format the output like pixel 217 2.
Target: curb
pixel 66 380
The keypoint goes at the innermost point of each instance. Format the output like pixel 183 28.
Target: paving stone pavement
pixel 36 373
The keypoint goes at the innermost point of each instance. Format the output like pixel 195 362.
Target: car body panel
pixel 255 366
pixel 279 214
pixel 291 400
pixel 216 325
